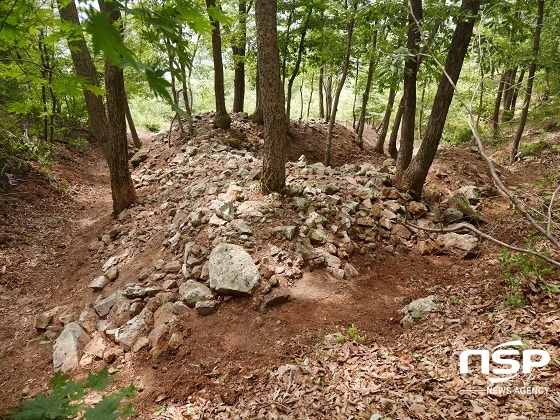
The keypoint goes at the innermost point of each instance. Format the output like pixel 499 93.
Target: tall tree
pixel 380 144
pixel 297 66
pixel 365 96
pixel 409 93
pixel 238 48
pixel 334 109
pixel 108 126
pixel 271 97
pixel 531 76
pixel 222 118
pixel 415 175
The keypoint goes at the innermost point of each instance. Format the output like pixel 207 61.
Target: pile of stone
pixel 216 236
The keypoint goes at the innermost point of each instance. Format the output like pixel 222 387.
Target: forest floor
pixel 301 359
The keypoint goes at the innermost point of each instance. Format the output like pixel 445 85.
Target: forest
pixel 223 209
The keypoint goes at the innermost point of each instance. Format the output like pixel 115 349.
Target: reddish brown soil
pixel 44 232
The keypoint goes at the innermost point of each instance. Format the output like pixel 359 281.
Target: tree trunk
pixel 320 90
pixel 392 148
pixel 531 77
pixel 301 100
pixel 332 120
pixel 496 115
pixel 354 119
pixel 271 96
pixel 221 119
pixel 365 96
pixel 297 65
pixel 328 97
pixel 131 125
pixel 258 114
pixel 122 188
pixel 238 49
pixel 310 95
pixel 509 89
pixel 516 91
pixel 421 111
pixel 379 146
pixel 416 173
pixel 109 131
pixel 409 91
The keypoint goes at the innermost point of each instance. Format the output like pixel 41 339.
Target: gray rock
pixel 350 271
pixel 139 157
pixel 452 215
pixel 172 267
pixel 241 227
pixel 225 210
pixel 192 292
pixel 317 237
pixel 388 214
pixel 465 246
pixel 300 203
pixel 470 192
pixel 120 312
pixel 43 320
pixel 205 307
pixel 99 283
pixel 417 308
pixel 460 202
pixel 232 270
pixel 68 348
pixel 129 333
pixel 289 232
pixel 104 305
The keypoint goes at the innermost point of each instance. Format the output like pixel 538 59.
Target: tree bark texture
pixel 531 77
pixel 221 119
pixel 271 97
pixel 415 174
pixel 409 93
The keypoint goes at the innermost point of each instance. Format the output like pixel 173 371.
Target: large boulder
pixel 68 348
pixel 232 271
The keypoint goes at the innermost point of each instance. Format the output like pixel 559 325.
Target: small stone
pixel 276 297
pixel 142 343
pixel 179 308
pixel 129 333
pixel 169 284
pixel 112 274
pixel 43 321
pixel 417 209
pixel 241 227
pixel 225 210
pixel 99 283
pixel 172 267
pixel 139 157
pixel 192 292
pixel 164 314
pixel 350 271
pixel 365 221
pixel 175 342
pixel 317 237
pixel 388 214
pixel 104 305
pixel 205 307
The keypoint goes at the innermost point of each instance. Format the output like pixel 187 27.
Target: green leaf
pixel 59 380
pixel 100 381
pixel 42 407
pixel 105 409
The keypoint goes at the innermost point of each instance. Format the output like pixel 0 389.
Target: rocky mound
pixel 202 234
